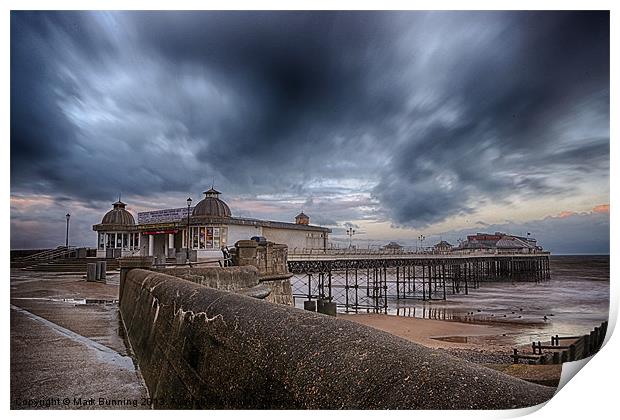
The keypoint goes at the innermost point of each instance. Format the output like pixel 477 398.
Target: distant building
pixel 443 247
pixel 302 219
pixel 500 243
pixel 164 233
pixel 393 247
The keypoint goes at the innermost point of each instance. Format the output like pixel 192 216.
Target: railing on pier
pixel 307 253
pixel 578 347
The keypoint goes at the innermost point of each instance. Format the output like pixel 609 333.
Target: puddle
pixel 452 339
pixel 91 301
pixel 85 301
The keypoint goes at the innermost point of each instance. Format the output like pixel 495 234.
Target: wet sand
pixel 489 345
pixel 441 334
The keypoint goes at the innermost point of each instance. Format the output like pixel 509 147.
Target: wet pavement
pixel 67 345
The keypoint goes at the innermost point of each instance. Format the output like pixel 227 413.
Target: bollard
pixel 310 305
pixel 329 308
pixel 319 305
pixel 91 272
pixel 326 307
pixel 97 271
pixel 104 268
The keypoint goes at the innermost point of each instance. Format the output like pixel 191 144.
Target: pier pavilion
pixel 207 227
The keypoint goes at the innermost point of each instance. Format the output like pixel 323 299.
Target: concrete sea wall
pixel 229 279
pixel 199 347
pixel 236 279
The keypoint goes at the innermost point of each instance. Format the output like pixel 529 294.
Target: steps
pixel 71 265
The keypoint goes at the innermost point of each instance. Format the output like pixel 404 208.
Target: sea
pixel 572 302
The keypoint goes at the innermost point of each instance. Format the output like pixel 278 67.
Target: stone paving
pixel 67 345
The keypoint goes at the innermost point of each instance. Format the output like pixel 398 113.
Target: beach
pixel 476 342
pixel 487 345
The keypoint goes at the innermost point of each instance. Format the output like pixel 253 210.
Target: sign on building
pixel 163 216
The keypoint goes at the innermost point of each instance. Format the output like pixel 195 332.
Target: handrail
pixel 49 254
pixel 351 252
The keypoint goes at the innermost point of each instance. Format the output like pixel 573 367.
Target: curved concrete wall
pixel 202 348
pixel 229 279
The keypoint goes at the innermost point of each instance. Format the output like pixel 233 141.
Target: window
pixel 101 241
pixel 204 237
pixel 195 238
pixel 125 241
pixel 136 240
pixel 209 238
pixel 111 240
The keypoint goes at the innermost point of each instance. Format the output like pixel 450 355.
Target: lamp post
pixel 68 216
pixel 421 239
pixel 189 203
pixel 350 232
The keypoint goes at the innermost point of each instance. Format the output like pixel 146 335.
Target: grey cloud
pixel 576 234
pixel 411 117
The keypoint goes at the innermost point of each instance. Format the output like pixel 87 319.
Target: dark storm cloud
pixel 513 99
pixel 414 116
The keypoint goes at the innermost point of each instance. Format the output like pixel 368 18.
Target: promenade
pixel 67 347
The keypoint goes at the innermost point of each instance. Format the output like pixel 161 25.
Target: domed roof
pixel 211 206
pixel 118 215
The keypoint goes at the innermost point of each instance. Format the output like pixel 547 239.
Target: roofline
pixel 108 227
pixel 240 221
pixel 274 224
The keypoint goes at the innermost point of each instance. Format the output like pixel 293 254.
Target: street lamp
pixel 67 235
pixel 350 232
pixel 189 203
pixel 421 239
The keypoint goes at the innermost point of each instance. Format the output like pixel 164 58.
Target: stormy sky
pixel 397 123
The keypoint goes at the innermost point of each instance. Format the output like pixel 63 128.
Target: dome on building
pixel 211 206
pixel 118 215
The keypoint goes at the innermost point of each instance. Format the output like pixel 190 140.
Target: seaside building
pixel 499 243
pixel 117 234
pixel 443 247
pixel 393 247
pixel 207 228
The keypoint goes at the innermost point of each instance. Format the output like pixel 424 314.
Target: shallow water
pixel 574 301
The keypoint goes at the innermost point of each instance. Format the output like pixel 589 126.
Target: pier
pixel 367 280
